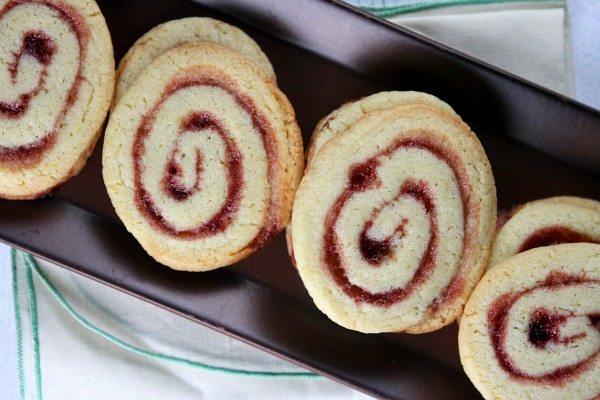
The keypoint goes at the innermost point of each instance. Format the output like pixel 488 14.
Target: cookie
pixel 56 84
pixel 546 222
pixel 393 220
pixel 531 329
pixel 168 35
pixel 201 158
pixel 338 120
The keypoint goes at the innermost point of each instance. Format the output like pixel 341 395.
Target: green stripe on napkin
pixel 31 266
pixel 392 11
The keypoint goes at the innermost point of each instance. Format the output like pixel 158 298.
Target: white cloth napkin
pixel 78 339
pixel 527 38
pixel 81 340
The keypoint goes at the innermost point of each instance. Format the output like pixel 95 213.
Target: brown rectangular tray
pixel 324 53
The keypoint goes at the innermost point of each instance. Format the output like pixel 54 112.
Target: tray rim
pixel 450 50
pixel 554 149
pixel 434 367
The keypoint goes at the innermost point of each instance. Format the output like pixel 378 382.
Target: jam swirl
pixel 544 330
pixel 38 45
pixel 552 235
pixel 41 47
pixel 198 122
pixel 201 122
pixel 363 177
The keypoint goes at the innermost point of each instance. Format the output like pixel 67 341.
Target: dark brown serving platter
pixel 325 53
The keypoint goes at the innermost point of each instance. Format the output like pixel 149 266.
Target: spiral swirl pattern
pixel 199 127
pixel 540 315
pixel 199 158
pixel 56 91
pixel 376 251
pixel 401 234
pixel 545 326
pixel 38 51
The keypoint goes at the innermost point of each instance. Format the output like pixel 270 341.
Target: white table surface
pixel 584 20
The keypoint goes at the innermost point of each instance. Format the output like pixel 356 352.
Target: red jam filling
pixel 40 46
pixel 173 177
pixel 544 328
pixel 363 176
pixel 552 235
pixel 375 251
pixel 172 181
pixel 372 250
pixel 595 320
pixel 201 122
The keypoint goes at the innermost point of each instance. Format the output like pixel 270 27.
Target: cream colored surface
pixel 213 189
pixel 530 39
pixel 525 356
pixel 519 273
pixel 578 214
pixel 168 35
pixel 325 180
pixel 80 128
pixel 340 119
pixel 231 245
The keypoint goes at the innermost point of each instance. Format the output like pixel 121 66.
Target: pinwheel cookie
pixel 201 158
pixel 531 329
pixel 171 34
pixel 56 81
pixel 546 222
pixel 338 120
pixel 393 220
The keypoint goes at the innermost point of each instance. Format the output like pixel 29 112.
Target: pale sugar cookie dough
pixel 393 220
pixel 531 329
pixel 57 74
pixel 201 157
